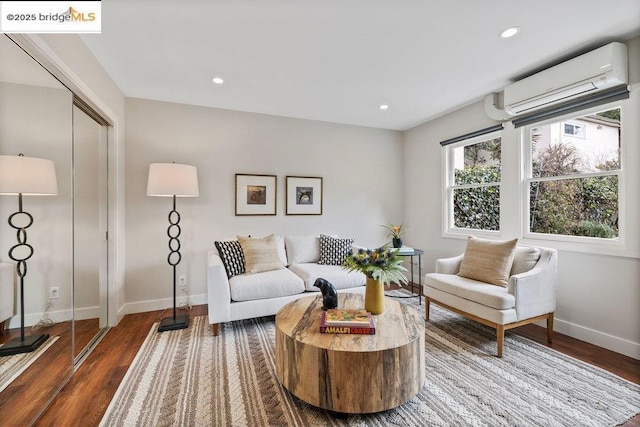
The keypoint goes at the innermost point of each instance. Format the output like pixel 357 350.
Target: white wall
pixel 361 170
pixel 598 295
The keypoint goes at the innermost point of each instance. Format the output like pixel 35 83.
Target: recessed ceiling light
pixel 218 80
pixel 383 107
pixel 509 32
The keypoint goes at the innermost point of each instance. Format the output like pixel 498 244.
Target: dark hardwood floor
pixel 85 398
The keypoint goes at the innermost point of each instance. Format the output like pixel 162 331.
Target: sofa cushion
pixel 282 251
pixel 334 250
pixel 483 293
pixel 268 284
pixel 232 256
pixel 301 249
pixel 260 254
pixel 525 258
pixel 335 274
pixel 488 260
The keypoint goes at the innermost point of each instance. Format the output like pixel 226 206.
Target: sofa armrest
pixel 449 265
pixel 218 291
pixel 535 290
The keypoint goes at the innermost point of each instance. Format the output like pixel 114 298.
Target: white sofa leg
pixel 215 329
pixel 427 303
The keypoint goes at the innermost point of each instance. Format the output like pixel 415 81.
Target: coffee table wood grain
pixel 350 373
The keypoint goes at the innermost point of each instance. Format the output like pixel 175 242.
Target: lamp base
pixel 171 324
pixel 19 346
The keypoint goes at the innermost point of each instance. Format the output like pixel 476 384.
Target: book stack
pixel 405 250
pixel 345 321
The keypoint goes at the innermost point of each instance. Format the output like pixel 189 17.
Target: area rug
pixel 191 378
pixel 12 366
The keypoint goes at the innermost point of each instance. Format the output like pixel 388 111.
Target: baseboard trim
pixel 92 312
pixel 85 313
pixel 160 304
pixel 601 339
pixel 31 319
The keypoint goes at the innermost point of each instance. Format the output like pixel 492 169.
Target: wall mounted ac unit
pixel 592 72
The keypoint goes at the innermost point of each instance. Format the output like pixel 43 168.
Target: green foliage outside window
pixel 573 206
pixel 477 208
pixel 576 207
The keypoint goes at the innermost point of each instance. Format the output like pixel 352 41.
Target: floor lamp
pixel 173 180
pixel 24 176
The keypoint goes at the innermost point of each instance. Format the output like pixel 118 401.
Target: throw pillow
pixel 260 253
pixel 334 250
pixel 302 249
pixel 282 251
pixel 232 257
pixel 525 258
pixel 488 260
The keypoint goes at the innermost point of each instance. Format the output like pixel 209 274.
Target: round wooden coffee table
pixel 351 374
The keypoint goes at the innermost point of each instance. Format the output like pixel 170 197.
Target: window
pixel 573 185
pixel 473 177
pixel 572 129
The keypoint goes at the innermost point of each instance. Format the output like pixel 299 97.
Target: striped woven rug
pixel 191 378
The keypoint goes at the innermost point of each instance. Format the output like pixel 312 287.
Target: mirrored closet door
pixel 90 199
pixel 66 283
pixel 36 121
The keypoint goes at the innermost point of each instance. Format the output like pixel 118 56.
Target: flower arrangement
pixel 395 231
pixel 380 264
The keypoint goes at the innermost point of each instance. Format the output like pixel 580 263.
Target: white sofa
pixel 250 295
pixel 529 295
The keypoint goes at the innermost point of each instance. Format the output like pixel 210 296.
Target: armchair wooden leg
pixel 427 302
pixel 549 327
pixel 500 338
pixel 215 329
pixel 2 327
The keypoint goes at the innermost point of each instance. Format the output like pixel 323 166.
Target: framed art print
pixel 304 195
pixel 255 194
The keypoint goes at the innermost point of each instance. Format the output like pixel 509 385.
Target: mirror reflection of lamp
pixel 173 180
pixel 24 176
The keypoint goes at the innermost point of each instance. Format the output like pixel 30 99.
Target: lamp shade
pixel 171 179
pixel 27 176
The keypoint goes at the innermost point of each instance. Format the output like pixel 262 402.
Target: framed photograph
pixel 255 194
pixel 304 195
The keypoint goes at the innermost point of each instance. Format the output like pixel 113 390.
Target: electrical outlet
pixel 182 282
pixel 54 292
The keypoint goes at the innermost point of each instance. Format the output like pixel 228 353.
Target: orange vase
pixel 374 296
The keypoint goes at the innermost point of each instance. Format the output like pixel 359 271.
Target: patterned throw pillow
pixel 334 250
pixel 232 257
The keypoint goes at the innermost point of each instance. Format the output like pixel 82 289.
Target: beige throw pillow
pixel 260 254
pixel 488 261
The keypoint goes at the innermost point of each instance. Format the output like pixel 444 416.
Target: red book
pixel 346 328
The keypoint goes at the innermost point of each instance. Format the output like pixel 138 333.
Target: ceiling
pixel 338 60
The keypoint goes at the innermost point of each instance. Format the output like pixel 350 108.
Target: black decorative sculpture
pixel 329 293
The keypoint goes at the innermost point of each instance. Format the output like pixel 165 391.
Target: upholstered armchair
pixel 7 289
pixel 526 294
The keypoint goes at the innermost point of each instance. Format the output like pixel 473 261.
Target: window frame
pixel 527 179
pixel 448 168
